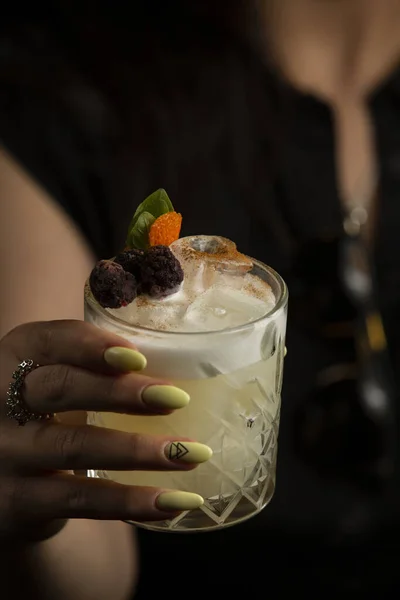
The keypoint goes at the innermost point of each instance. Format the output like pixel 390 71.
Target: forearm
pixel 86 560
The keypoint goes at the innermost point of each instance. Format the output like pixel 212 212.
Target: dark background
pixel 173 94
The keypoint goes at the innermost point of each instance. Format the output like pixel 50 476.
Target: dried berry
pixel 130 261
pixel 111 286
pixel 165 229
pixel 160 273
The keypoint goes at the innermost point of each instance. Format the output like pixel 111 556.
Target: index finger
pixel 77 343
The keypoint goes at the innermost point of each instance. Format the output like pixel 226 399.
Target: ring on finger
pixel 17 409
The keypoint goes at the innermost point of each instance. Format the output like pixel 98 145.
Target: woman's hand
pixel 81 368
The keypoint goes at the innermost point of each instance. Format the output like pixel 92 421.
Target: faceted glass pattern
pixel 235 413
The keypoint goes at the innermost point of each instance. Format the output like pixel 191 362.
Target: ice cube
pixel 222 307
pixel 205 259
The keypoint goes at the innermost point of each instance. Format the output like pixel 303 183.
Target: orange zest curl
pixel 166 229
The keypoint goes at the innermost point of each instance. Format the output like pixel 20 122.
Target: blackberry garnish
pixel 130 261
pixel 111 285
pixel 160 273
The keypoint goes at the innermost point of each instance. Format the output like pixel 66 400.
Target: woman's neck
pixel 339 51
pixel 334 48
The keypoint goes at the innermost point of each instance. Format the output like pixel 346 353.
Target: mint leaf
pixel 138 236
pixel 156 204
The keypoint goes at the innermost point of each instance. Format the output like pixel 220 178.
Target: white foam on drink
pixel 161 315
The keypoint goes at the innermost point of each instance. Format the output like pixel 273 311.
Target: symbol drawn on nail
pixel 177 450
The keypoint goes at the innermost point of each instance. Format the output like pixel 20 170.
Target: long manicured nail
pixel 125 359
pixel 285 352
pixel 165 396
pixel 169 501
pixel 188 452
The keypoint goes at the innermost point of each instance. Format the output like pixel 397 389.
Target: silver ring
pixel 16 406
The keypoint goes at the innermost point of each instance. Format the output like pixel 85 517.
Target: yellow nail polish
pixel 125 359
pixel 165 396
pixel 170 501
pixel 285 352
pixel 188 452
